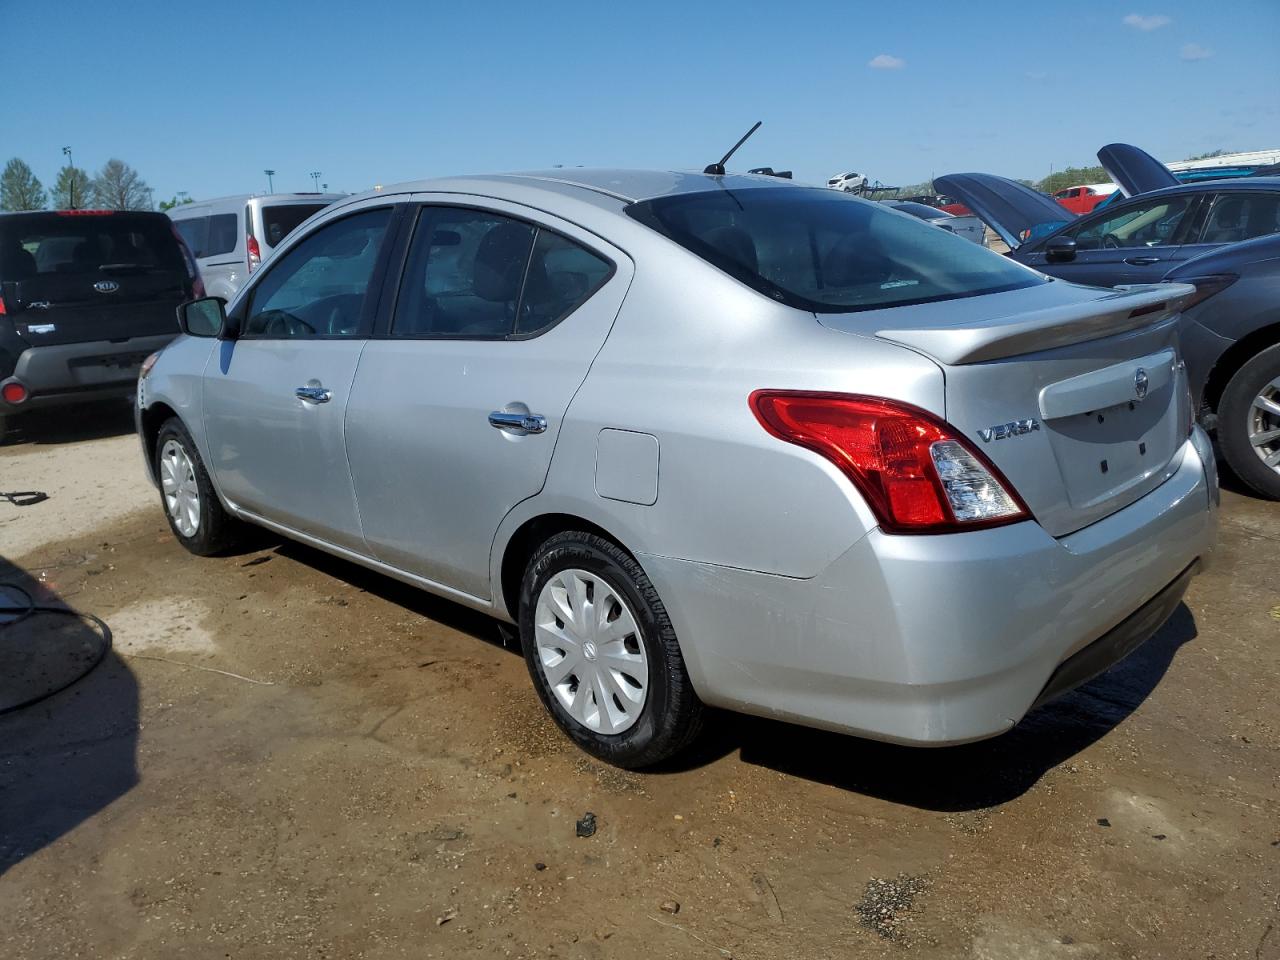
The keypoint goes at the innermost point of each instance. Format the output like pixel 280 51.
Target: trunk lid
pixel 84 276
pixel 1077 395
pixel 1135 170
pixel 1014 211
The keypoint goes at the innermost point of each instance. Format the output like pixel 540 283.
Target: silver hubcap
pixel 589 651
pixel 181 492
pixel 1264 425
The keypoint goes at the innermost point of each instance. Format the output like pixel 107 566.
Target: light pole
pixel 270 186
pixel 315 178
pixel 71 178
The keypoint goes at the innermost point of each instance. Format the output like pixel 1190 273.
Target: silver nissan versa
pixel 707 440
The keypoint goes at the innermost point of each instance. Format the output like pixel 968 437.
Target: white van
pixel 231 236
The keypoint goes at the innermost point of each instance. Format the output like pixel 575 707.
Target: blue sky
pixel 204 97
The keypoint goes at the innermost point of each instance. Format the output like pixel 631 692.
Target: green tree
pixel 1072 177
pixel 19 188
pixel 173 202
pixel 73 189
pixel 118 187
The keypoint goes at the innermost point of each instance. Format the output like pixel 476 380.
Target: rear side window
pixel 478 274
pixel 280 220
pixel 828 252
pixel 224 233
pixel 195 234
pixel 78 244
pixel 1241 216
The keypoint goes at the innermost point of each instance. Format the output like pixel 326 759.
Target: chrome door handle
pixel 314 393
pixel 528 422
pixel 1142 261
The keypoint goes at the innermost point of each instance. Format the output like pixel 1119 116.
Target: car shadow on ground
pixel 66 757
pixel 107 418
pixel 963 778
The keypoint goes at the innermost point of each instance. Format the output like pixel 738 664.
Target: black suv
pixel 85 297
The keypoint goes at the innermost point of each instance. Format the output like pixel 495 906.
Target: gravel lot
pixel 287 756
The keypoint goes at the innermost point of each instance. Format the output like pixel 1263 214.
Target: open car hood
pixel 1014 211
pixel 1135 170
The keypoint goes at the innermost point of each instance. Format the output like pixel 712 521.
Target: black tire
pixel 216 530
pixel 672 714
pixel 1233 416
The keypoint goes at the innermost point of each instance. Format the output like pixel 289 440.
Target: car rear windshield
pixel 79 243
pixel 279 220
pixel 824 251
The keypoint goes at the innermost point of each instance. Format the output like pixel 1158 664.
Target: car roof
pixel 1202 186
pixel 627 186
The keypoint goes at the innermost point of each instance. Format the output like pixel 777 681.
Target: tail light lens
pixel 255 252
pixel 1206 287
pixel 916 473
pixel 13 392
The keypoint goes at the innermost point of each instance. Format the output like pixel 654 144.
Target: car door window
pixel 194 233
pixel 1241 216
pixel 223 232
pixel 318 288
pixel 562 276
pixel 1150 224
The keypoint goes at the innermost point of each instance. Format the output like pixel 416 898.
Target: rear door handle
pixel 527 422
pixel 1141 261
pixel 313 393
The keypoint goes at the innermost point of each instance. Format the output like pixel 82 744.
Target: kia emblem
pixel 106 286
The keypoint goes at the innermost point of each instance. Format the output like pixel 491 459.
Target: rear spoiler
pixel 1129 308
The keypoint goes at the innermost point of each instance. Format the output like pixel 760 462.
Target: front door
pixel 1136 242
pixel 455 410
pixel 275 397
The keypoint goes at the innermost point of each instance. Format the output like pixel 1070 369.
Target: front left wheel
pixel 602 653
pixel 195 514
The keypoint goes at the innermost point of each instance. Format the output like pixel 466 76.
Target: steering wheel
pixel 280 323
pixel 1110 242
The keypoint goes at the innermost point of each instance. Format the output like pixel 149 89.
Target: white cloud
pixel 1193 51
pixel 1146 22
pixel 884 61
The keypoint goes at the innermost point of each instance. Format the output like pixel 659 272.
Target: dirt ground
pixel 287 756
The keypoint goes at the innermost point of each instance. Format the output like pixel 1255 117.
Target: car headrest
pixel 500 262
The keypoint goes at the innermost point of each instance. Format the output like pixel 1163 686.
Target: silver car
pixel 708 441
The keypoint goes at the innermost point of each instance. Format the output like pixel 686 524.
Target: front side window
pixel 478 274
pixel 318 288
pixel 195 234
pixel 1151 224
pixel 828 252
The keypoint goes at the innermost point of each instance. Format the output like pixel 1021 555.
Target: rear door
pixel 1135 242
pixel 93 275
pixel 275 397
pixel 1231 216
pixel 500 311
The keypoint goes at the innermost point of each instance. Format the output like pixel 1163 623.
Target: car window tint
pixel 36 244
pixel 464 275
pixel 318 287
pixel 1241 216
pixel 194 233
pixel 1150 224
pixel 826 251
pixel 562 276
pixel 223 232
pixel 280 220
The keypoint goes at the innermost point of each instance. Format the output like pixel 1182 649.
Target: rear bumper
pixel 60 374
pixel 945 639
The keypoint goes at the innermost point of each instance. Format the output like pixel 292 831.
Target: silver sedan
pixel 707 441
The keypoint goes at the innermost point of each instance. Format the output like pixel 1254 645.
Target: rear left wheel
pixel 602 653
pixel 1249 423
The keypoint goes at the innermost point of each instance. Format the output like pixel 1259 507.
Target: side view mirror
pixel 1060 250
pixel 203 318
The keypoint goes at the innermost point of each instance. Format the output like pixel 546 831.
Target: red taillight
pixel 255 254
pixel 13 392
pixel 916 473
pixel 3 310
pixel 85 213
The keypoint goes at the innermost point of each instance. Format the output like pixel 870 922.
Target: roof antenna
pixel 717 169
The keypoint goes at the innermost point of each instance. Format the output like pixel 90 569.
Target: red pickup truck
pixel 1083 198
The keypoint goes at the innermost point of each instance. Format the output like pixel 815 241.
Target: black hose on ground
pixel 27 608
